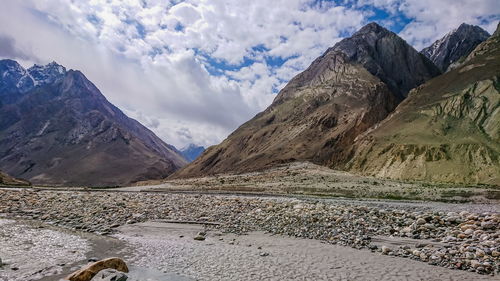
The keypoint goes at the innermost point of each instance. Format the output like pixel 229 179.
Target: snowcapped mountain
pixel 455 45
pixel 57 128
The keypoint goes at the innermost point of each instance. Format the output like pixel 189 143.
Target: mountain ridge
pixel 64 131
pixel 448 50
pixel 447 130
pixel 317 115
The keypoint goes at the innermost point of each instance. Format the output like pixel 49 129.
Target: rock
pixel 464 214
pixel 407 229
pixel 429 226
pixel 199 238
pixel 479 253
pixel 467 226
pixel 468 231
pixel 298 206
pixel 421 221
pixel 385 250
pixel 420 245
pixel 110 275
pixel 88 272
pixel 475 263
pixel 487 225
pixel 495 253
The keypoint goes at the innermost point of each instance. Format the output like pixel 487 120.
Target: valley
pixel 372 161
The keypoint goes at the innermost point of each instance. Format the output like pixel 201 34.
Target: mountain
pixel 319 113
pixel 192 152
pixel 455 45
pixel 57 128
pixel 447 130
pixel 6 180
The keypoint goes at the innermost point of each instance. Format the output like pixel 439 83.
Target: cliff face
pixel 446 130
pixel 57 128
pixel 320 112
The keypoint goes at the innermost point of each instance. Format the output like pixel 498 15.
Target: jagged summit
pixel 45 74
pixel 16 78
pixel 455 45
pixel 381 52
pixel 372 27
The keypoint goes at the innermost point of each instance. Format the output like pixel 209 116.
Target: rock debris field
pixel 445 236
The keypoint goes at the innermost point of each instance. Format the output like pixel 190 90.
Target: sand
pixel 259 256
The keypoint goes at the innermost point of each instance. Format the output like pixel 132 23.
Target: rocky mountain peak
pixel 379 51
pixel 455 45
pixel 14 78
pixel 46 74
pixel 372 28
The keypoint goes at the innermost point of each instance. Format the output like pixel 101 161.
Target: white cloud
pixel 432 19
pixel 193 71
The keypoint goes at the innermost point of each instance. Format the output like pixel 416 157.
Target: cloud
pixel 8 49
pixel 431 20
pixel 194 70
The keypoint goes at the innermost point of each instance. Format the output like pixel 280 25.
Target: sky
pixel 193 71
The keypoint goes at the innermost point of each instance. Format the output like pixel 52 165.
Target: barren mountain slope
pixel 446 130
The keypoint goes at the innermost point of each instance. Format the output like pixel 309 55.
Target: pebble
pixel 385 250
pixel 421 221
pixel 475 236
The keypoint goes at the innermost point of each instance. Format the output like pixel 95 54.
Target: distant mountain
pixel 57 128
pixel 455 45
pixel 320 112
pixel 446 130
pixel 192 152
pixel 7 180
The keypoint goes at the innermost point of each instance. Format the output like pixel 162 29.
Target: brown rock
pixel 88 272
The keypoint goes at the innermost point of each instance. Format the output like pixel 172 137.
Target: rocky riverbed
pixel 449 235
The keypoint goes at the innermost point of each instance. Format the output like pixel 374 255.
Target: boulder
pixel 89 271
